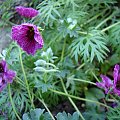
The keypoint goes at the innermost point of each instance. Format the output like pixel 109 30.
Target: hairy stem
pixel 25 78
pixel 76 108
pixel 12 103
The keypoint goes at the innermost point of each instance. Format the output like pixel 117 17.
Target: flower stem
pixel 76 108
pixel 85 81
pixel 63 50
pixel 20 81
pixel 95 76
pixel 25 78
pixel 109 27
pixel 47 109
pixel 78 98
pixel 104 21
pixel 82 65
pixel 114 98
pixel 91 19
pixel 11 100
pixel 42 101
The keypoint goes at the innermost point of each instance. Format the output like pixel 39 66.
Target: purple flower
pixel 106 83
pixel 116 75
pixel 28 37
pixel 6 76
pixel 26 12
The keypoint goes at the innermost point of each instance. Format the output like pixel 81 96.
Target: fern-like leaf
pixel 49 10
pixel 90 46
pixel 114 36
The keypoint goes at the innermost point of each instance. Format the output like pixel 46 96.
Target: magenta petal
pixel 2 83
pixel 29 47
pixel 28 37
pixel 116 73
pixel 4 65
pixel 116 91
pixel 108 83
pixel 37 36
pixel 0 80
pixel 6 75
pixel 26 11
pixel 2 87
pixel 9 75
pixel 102 85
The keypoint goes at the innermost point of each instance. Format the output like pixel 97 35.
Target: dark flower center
pixel 30 33
pixel 3 82
pixel 118 84
pixel 1 68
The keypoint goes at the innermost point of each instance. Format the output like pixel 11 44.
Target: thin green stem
pixel 111 89
pixel 48 110
pixel 95 76
pixel 105 29
pixel 78 98
pixel 42 101
pixel 81 80
pixel 9 22
pixel 25 78
pixel 109 27
pixel 103 21
pixel 94 17
pixel 76 108
pixel 91 19
pixel 20 81
pixel 82 65
pixel 114 98
pixel 63 50
pixel 53 40
pixel 85 33
pixel 11 100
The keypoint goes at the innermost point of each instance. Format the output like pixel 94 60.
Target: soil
pixel 5 37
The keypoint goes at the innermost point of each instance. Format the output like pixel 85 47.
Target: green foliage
pixel 94 114
pixel 39 114
pixel 64 116
pixel 114 37
pixel 47 69
pixel 89 46
pixel 114 114
pixel 36 114
pixel 81 41
pixel 48 10
pixel 93 94
pixel 5 12
pixel 69 27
